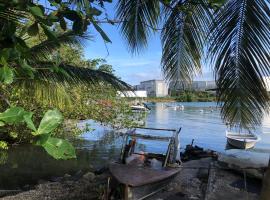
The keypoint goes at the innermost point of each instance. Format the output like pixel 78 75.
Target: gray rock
pixel 89 176
pixel 66 176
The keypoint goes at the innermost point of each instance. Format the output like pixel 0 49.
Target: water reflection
pixel 27 164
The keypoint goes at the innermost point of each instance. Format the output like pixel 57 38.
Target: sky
pixel 130 68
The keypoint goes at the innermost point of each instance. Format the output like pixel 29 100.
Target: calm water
pixel 24 165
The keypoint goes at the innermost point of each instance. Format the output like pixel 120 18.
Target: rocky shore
pixel 88 186
pixel 195 182
pixel 205 175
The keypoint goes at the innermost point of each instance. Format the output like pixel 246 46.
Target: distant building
pixel 195 85
pixel 154 88
pixel 140 94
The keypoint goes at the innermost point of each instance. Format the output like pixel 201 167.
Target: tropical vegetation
pixel 38 73
pixel 233 35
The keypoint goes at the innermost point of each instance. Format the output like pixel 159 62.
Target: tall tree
pixel 234 34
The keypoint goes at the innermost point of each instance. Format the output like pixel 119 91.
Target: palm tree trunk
pixel 265 193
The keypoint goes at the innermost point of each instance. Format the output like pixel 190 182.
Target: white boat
pixel 139 108
pixel 242 141
pixel 176 107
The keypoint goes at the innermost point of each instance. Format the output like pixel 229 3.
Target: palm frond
pixel 68 74
pixel 11 14
pixel 239 50
pixel 44 93
pixel 183 41
pixel 47 47
pixel 137 17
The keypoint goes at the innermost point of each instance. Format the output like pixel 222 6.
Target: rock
pixel 237 159
pixel 26 187
pixel 89 176
pixel 56 179
pixel 66 176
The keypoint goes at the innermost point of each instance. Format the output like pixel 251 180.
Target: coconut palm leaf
pixel 239 48
pixel 42 50
pixel 183 39
pixel 68 74
pixel 137 17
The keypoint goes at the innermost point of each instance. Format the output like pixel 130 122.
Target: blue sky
pixel 131 68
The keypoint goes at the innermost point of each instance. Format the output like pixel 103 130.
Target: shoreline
pixel 203 176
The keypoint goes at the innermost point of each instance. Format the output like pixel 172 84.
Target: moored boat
pixel 139 108
pixel 242 141
pixel 142 174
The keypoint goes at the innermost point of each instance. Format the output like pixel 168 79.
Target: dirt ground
pixel 191 184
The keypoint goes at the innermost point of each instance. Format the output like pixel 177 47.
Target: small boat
pixel 176 107
pixel 242 141
pixel 139 107
pixel 139 175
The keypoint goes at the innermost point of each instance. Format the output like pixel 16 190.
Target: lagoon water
pixel 26 165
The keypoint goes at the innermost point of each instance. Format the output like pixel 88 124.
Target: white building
pixel 154 88
pixel 139 93
pixel 195 85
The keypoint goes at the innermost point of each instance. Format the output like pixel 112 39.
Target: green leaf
pixel 36 11
pixel 41 139
pixel 12 115
pixel 33 29
pixel 63 23
pixel 71 15
pixel 49 122
pixel 50 34
pixel 3 145
pixel 59 148
pixel 13 134
pixel 28 120
pixel 101 32
pixel 77 26
pixel 2 123
pixel 27 69
pixel 6 75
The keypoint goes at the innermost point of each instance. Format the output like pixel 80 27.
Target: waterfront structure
pixel 194 85
pixel 139 93
pixel 154 88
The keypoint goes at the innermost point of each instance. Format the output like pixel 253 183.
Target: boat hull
pixel 242 141
pixel 138 183
pixel 145 191
pixel 241 144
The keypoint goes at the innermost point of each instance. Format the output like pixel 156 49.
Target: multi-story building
pixel 154 88
pixel 195 85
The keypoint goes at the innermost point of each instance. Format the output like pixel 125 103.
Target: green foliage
pixel 30 37
pixel 13 115
pixel 6 74
pixel 51 120
pixel 58 148
pixel 233 34
pixel 3 145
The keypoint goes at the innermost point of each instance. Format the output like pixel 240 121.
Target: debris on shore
pixel 202 177
pixel 88 186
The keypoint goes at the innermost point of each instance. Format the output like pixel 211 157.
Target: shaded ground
pixel 194 184
pixel 191 184
pixel 88 187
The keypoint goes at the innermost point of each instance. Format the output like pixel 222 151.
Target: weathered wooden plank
pixel 149 137
pixel 137 176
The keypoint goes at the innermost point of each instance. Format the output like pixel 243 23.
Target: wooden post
pixel 265 193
